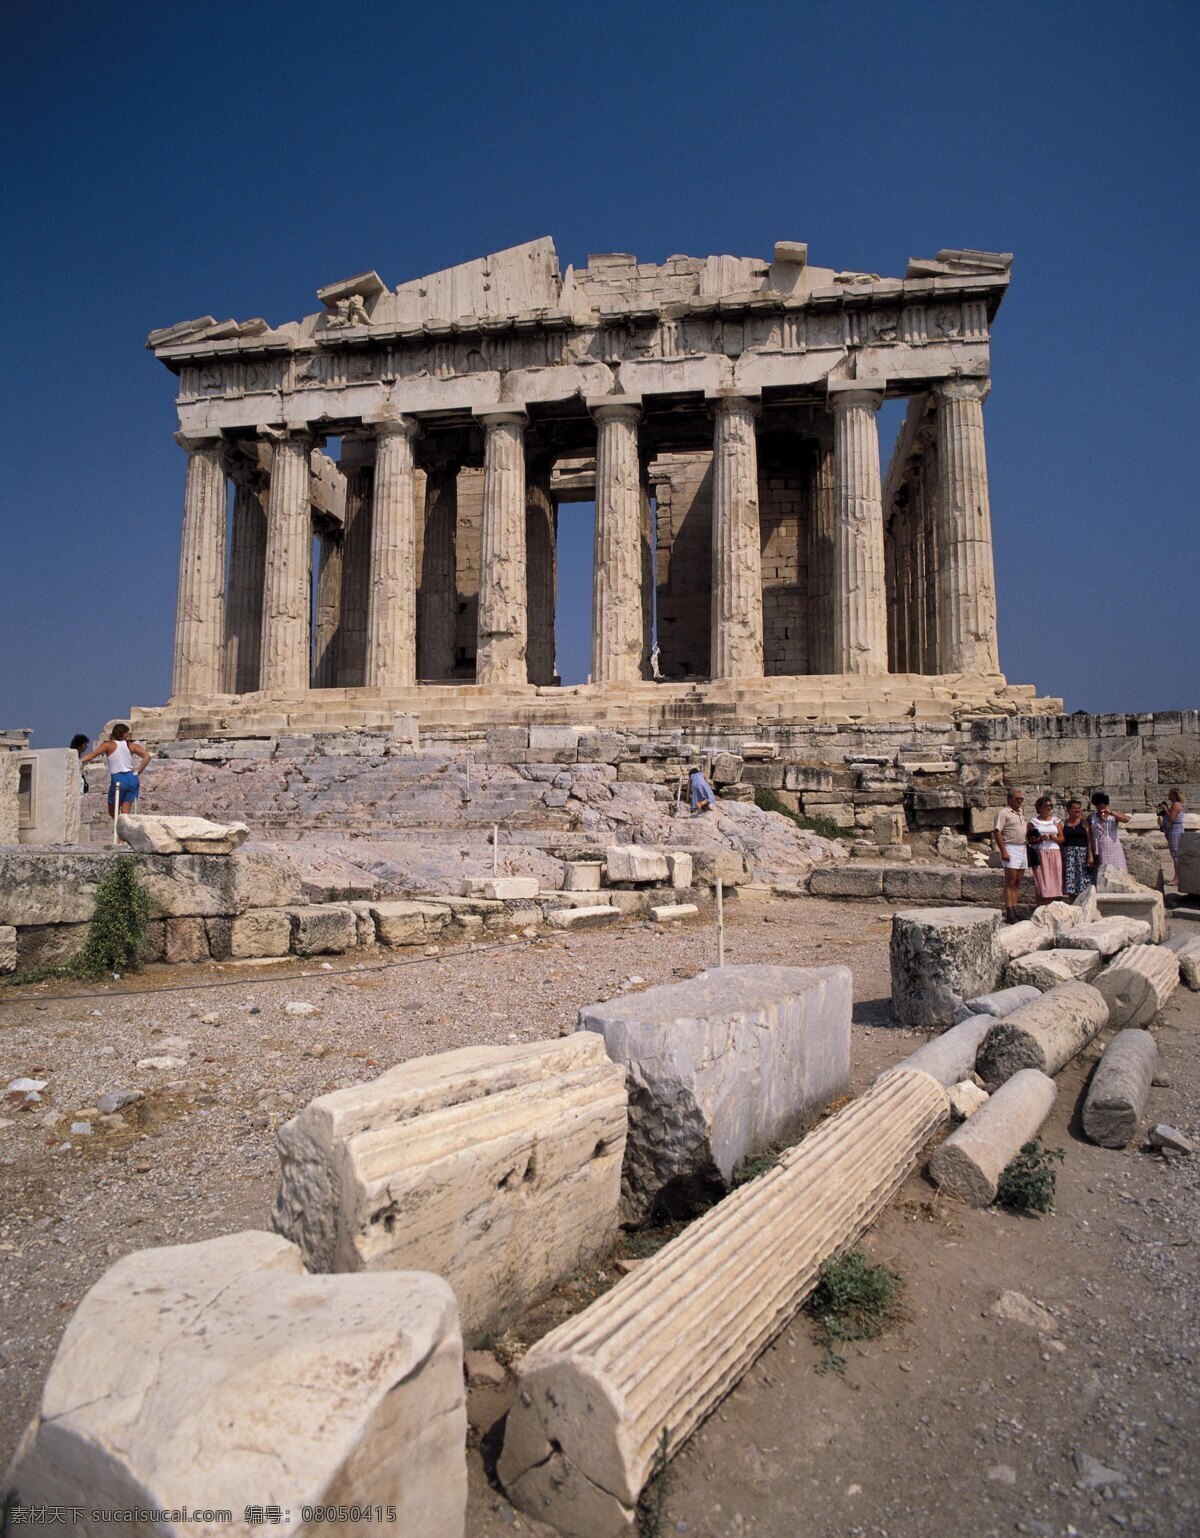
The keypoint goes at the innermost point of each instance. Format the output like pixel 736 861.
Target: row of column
pixel 266 641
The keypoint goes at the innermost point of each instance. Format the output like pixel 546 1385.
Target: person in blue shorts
pixel 124 781
pixel 703 799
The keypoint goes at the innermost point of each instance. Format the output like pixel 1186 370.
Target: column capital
pixel 732 400
pixel 500 416
pixel 299 433
pixel 392 424
pixel 614 407
pixel 194 443
pixel 854 392
pixel 961 388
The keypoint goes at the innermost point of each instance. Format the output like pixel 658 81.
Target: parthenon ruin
pixel 721 414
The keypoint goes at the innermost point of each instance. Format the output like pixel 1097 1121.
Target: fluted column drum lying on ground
pixel 737 613
pixel 1119 1089
pixel 200 611
pixel 541 554
pixel 247 559
pixel 392 603
pixel 967 588
pixel 1045 1035
pixel 617 623
pixel 501 648
pixel 1137 983
pixel 437 604
pixel 859 589
pixel 287 596
pixel 972 1159
pixel 669 1342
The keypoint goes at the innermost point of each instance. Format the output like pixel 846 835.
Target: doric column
pixel 737 628
pixel 356 563
pixel 859 594
pixel 329 609
pixel 437 601
pixel 820 558
pixel 287 588
pixel 932 497
pixel 200 610
pixel 541 554
pixel 916 602
pixel 892 578
pixel 392 603
pixel 967 581
pixel 617 623
pixel 247 565
pixel 500 653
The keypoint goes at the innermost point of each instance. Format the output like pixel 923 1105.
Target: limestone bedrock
pixel 1045 1035
pixel 498 1168
pixel 221 1374
pixel 720 1067
pixel 1119 1089
pixel 666 1345
pixel 940 957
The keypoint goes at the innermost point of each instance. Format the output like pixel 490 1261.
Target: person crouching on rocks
pixel 701 792
pixel 124 780
pixel 1009 837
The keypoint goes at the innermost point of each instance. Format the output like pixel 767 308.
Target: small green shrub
pixel 768 800
pixel 1027 1184
pixel 854 1300
pixel 751 1169
pixel 652 1503
pixel 116 939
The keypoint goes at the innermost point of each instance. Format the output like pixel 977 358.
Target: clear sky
pixel 164 161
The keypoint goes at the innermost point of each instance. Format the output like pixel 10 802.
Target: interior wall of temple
pixel 682 487
pixel 783 517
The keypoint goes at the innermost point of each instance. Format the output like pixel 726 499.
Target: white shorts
pixel 1018 858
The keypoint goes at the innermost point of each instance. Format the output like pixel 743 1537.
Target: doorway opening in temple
pixel 573 607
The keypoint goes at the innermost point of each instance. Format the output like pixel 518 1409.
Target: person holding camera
pixel 1170 820
pixel 1105 825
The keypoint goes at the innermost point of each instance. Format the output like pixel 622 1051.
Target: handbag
pixel 1032 837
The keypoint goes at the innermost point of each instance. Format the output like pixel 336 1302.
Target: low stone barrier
pixel 907 882
pixel 1045 1035
pixel 720 1067
pixel 1120 1088
pixel 660 1350
pixel 972 1159
pixel 1137 983
pixel 221 1375
pixel 940 957
pixel 498 1168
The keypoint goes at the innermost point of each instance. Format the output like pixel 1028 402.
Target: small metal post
pixel 720 922
pixel 495 849
pixel 116 809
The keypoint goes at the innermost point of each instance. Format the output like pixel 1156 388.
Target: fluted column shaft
pixel 541 553
pixel 329 608
pixel 931 489
pixel 820 559
pixel 200 609
pixel 501 648
pixel 860 600
pixel 737 623
pixel 356 576
pixel 916 648
pixel 247 567
pixel 617 621
pixel 287 588
pixel 967 577
pixel 437 606
pixel 392 602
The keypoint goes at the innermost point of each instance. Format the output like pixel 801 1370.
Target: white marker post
pixel 116 809
pixel 720 922
pixel 495 849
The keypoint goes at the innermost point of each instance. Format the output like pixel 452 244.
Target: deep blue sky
pixel 164 161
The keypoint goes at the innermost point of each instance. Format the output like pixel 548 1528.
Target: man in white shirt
pixel 1009 837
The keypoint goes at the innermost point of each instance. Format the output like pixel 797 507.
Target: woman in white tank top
pixel 123 779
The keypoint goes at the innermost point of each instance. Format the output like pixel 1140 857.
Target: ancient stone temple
pixel 373 494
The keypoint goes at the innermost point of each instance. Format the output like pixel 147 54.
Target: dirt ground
pixel 955 1423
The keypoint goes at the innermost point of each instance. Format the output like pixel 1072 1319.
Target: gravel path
pixel 958 1424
